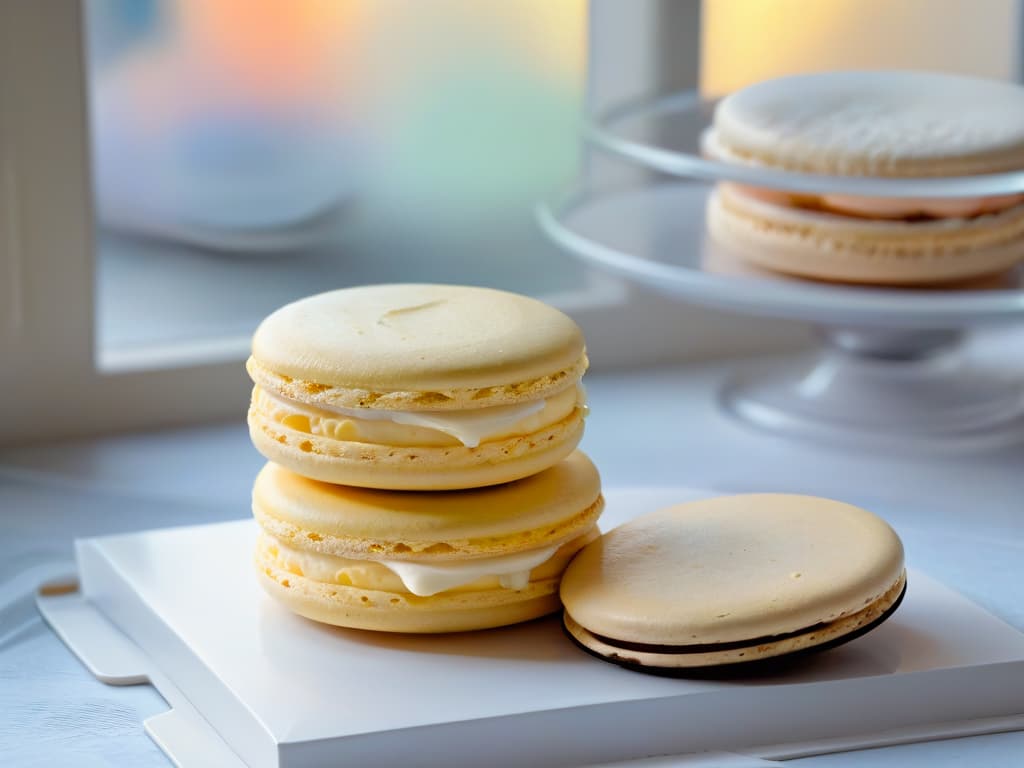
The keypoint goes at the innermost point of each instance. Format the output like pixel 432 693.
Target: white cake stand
pixel 666 135
pixel 891 369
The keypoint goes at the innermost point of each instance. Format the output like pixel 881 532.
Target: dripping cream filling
pixel 421 428
pixel 513 571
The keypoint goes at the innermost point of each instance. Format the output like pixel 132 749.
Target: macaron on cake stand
pixel 892 367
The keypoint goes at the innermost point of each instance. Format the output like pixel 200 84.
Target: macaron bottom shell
pixel 415 468
pixel 759 655
pixel 357 608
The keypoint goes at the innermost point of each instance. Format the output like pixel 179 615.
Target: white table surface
pixel 961 518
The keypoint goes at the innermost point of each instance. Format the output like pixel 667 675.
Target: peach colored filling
pixel 886 207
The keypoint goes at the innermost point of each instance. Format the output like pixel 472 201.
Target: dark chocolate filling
pixel 628 645
pixel 737 669
pixel 706 647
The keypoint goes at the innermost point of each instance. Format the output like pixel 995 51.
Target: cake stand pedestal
pixel 866 387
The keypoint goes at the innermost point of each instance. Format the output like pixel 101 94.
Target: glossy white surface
pixel 961 517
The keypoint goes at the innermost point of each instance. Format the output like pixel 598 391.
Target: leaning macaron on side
pixel 733 580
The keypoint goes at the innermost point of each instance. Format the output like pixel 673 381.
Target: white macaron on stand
pixel 892 368
pixel 249 683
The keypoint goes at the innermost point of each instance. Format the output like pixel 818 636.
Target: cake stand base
pixel 865 386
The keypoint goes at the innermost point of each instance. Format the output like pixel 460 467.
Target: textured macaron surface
pixel 545 509
pixel 414 346
pixel 732 569
pixel 885 123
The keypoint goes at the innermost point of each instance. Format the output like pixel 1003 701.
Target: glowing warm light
pixel 472 103
pixel 455 108
pixel 744 41
pixel 269 46
pixel 555 36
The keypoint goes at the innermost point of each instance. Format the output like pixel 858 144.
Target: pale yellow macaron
pixel 896 124
pixel 733 580
pixel 417 387
pixel 423 562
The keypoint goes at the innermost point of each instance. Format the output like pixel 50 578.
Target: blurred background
pixel 249 153
pixel 246 153
pixel 211 160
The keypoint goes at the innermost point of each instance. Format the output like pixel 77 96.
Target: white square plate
pixel 181 608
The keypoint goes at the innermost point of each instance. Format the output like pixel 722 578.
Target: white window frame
pixel 49 379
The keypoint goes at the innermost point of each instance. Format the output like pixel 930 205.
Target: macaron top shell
pixel 895 123
pixel 732 569
pixel 442 345
pixel 545 509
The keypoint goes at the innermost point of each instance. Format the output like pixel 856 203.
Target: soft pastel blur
pixel 744 41
pixel 472 104
pixel 262 113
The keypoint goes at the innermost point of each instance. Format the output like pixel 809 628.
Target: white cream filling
pixel 512 571
pixel 469 427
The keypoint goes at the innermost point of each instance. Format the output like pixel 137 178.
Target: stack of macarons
pixel 422 471
pixel 898 124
